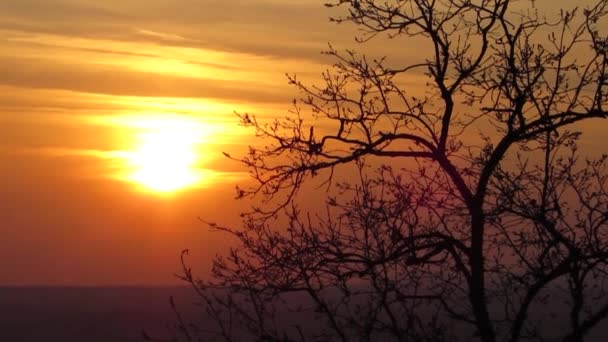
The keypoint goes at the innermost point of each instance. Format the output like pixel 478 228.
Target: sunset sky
pixel 94 94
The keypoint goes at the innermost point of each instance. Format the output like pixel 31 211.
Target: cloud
pixel 114 81
pixel 58 10
pixel 162 36
pixel 295 29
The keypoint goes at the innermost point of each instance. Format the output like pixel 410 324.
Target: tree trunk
pixel 477 294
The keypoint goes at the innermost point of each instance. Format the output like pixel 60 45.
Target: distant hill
pixel 108 314
pixel 92 314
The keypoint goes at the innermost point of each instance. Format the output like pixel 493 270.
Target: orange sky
pixel 78 81
pixel 82 81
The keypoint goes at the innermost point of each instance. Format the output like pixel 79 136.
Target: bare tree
pixel 472 216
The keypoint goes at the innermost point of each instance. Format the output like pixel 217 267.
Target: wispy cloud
pixel 163 36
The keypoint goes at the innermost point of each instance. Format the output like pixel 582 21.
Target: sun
pixel 166 154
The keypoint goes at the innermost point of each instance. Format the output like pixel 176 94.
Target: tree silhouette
pixel 472 214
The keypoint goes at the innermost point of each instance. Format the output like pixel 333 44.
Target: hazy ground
pixel 88 314
pixel 105 314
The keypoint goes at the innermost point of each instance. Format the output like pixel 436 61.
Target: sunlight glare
pixel 165 157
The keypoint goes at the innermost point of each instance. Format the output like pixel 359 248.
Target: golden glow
pixel 166 156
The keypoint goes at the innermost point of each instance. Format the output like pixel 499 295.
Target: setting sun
pixel 165 157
